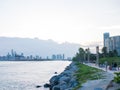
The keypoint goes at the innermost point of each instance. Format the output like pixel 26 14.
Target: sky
pixel 75 21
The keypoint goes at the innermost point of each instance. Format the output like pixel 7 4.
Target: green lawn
pixel 86 73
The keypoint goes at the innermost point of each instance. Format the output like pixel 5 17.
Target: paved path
pixel 102 68
pixel 99 84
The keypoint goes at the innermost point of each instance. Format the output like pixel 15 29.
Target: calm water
pixel 25 75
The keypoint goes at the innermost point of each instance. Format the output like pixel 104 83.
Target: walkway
pixel 100 84
pixel 102 68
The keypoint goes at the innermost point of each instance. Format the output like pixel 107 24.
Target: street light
pixel 97 55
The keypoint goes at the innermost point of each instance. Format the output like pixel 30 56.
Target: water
pixel 26 75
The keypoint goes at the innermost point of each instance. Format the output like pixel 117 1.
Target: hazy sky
pixel 78 21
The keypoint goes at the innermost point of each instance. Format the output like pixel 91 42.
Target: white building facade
pixel 112 43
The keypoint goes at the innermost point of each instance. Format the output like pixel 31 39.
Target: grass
pixel 86 73
pixel 110 60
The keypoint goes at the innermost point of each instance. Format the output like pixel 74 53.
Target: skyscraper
pixel 112 43
pixel 106 37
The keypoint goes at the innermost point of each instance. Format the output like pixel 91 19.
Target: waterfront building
pixel 63 57
pixel 54 57
pixel 112 43
pixel 106 39
pixel 58 56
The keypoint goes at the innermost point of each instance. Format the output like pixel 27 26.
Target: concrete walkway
pixel 102 68
pixel 100 84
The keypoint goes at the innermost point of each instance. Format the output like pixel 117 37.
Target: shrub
pixel 117 77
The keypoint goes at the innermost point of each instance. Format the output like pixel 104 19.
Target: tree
pixel 92 57
pixel 104 51
pixel 87 52
pixel 80 55
pixel 115 53
pixel 111 54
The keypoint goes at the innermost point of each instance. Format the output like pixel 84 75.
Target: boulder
pixel 38 86
pixel 47 85
pixel 73 82
pixel 65 79
pixel 63 85
pixel 54 80
pixel 55 73
pixel 56 87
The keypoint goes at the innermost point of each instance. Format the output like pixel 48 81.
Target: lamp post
pixel 88 52
pixel 97 55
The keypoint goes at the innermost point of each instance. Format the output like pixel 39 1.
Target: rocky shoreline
pixel 66 80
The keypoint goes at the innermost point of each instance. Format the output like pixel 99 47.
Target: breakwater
pixel 66 80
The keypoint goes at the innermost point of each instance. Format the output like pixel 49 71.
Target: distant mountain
pixel 36 46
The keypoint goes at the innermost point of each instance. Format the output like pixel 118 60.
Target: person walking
pixel 106 64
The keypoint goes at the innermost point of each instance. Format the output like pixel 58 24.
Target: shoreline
pixel 38 60
pixel 67 80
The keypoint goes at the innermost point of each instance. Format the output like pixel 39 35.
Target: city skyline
pixel 14 55
pixel 77 21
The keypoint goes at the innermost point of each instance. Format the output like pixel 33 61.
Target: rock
pixel 65 79
pixel 67 73
pixel 63 85
pixel 56 87
pixel 54 80
pixel 73 82
pixel 47 85
pixel 98 89
pixel 38 86
pixel 55 73
pixel 69 89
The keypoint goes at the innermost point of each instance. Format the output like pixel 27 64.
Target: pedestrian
pixel 115 66
pixel 106 64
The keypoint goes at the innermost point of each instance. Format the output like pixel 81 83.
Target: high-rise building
pixel 112 43
pixel 106 37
